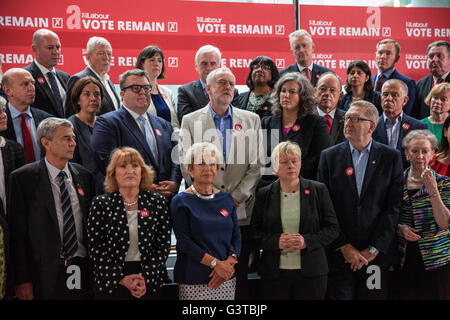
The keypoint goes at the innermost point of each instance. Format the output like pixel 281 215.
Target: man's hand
pixel 354 257
pixel 24 291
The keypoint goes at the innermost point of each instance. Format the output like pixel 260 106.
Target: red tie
pixel 380 82
pixel 439 81
pixel 27 140
pixel 307 73
pixel 327 117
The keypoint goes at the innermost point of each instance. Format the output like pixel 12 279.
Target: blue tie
pixel 149 137
pixel 70 242
pixel 56 95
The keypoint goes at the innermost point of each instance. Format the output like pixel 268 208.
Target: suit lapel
pixel 45 87
pixel 372 162
pixel 335 126
pixel 45 190
pixel 10 133
pixel 405 126
pixel 347 164
pixel 383 138
pixel 61 80
pixel 275 204
pixel 200 94
pixel 159 137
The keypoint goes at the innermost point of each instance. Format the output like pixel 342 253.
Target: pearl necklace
pixel 129 204
pixel 201 196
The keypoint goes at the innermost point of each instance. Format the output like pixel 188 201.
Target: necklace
pixel 129 204
pixel 201 196
pixel 412 179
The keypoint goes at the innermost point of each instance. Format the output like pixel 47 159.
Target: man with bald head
pixel 23 119
pixel 50 83
pixel 328 93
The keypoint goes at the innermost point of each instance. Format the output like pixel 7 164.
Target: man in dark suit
pixel 134 127
pixel 394 124
pixel 329 93
pixel 51 84
pixel 302 47
pixel 387 55
pixel 47 213
pixel 23 119
pixel 438 63
pixel 364 178
pixel 192 96
pixel 99 56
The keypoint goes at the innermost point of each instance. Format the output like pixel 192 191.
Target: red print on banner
pixel 173 62
pixel 61 59
pixel 173 27
pixel 386 31
pixel 279 29
pixel 224 212
pixel 280 63
pixel 57 23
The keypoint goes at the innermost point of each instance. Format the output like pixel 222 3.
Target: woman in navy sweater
pixel 207 231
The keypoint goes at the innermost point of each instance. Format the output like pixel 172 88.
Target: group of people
pixel 328 195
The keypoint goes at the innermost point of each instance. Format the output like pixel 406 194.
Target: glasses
pixel 355 119
pixel 262 66
pixel 136 88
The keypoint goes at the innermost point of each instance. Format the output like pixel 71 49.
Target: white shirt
pixel 322 114
pixel 104 81
pixel 2 174
pixel 136 116
pixel 76 210
pixel 310 67
pixel 443 77
pixel 133 253
pixel 61 90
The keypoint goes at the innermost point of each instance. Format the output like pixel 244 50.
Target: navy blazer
pixel 408 107
pixel 408 123
pixel 337 127
pixel 192 97
pixel 35 236
pixel 107 101
pixel 318 226
pixel 44 99
pixel 371 218
pixel 315 74
pixel 421 110
pixel 370 96
pixel 119 129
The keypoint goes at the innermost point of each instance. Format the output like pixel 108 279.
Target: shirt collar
pixel 53 171
pixel 134 114
pixel 399 118
pixel 105 77
pixel 310 67
pixel 386 74
pixel 203 84
pixel 443 77
pixel 367 149
pixel 43 69
pixel 16 113
pixel 331 113
pixel 2 142
pixel 215 116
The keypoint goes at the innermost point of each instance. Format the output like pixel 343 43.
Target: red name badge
pixel 296 127
pixel 80 191
pixel 144 213
pixel 238 127
pixel 406 126
pixel 41 80
pixel 349 171
pixel 224 212
pixel 159 133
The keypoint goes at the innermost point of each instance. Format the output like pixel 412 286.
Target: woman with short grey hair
pixel 423 229
pixel 294 117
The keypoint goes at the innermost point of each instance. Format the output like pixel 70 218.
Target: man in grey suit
pixel 302 47
pixel 237 133
pixel 329 93
pixel 50 83
pixel 192 96
pixel 99 57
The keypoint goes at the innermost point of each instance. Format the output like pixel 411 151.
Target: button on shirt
pixel 360 164
pixel 223 126
pixel 17 123
pixel 76 209
pixel 393 130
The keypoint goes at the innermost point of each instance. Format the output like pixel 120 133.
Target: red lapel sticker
pixel 41 80
pixel 349 171
pixel 317 76
pixel 80 191
pixel 224 212
pixel 159 133
pixel 406 126
pixel 296 127
pixel 307 192
pixel 265 108
pixel 238 127
pixel 144 213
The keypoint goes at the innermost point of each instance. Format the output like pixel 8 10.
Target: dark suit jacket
pixel 370 96
pixel 44 99
pixel 408 107
pixel 192 97
pixel 421 110
pixel 83 153
pixel 371 218
pixel 408 123
pixel 337 127
pixel 118 128
pixel 318 226
pixel 312 137
pixel 38 116
pixel 107 101
pixel 315 74
pixel 35 236
pixel 263 110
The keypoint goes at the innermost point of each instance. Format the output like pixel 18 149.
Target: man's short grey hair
pixel 96 41
pixel 133 72
pixel 297 34
pixel 371 111
pixel 208 49
pixel 403 85
pixel 199 149
pixel 47 128
pixel 3 102
pixel 213 74
pixel 439 43
pixel 331 73
pixel 38 34
pixel 420 134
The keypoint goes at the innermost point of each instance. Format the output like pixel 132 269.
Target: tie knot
pixel 141 118
pixel 61 176
pixel 327 116
pixel 50 74
pixel 23 115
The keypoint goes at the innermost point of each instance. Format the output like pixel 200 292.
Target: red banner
pixel 344 34
pixel 241 31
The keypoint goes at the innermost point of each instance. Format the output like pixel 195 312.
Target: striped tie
pixel 70 244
